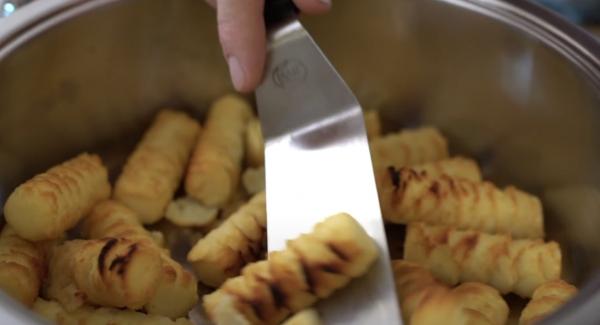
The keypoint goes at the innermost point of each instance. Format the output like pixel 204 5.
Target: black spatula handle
pixel 278 11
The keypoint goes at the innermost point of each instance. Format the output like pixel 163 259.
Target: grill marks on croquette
pixel 255 246
pixel 249 255
pixel 435 189
pixel 309 272
pixel 279 296
pixel 104 253
pixel 466 246
pixel 120 262
pixel 398 184
pixel 338 252
pixel 254 302
pixel 394 177
pixel 400 177
pixel 306 272
pixel 274 291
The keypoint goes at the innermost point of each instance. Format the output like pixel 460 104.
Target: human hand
pixel 243 37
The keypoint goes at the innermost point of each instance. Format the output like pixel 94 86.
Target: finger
pixel 313 6
pixel 242 36
pixel 212 3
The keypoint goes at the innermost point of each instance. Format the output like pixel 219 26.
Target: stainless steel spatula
pixel 318 162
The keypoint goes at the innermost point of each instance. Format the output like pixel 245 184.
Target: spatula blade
pixel 318 163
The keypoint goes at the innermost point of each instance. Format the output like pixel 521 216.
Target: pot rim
pixel 38 16
pixel 571 41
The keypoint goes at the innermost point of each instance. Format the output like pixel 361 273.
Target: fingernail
pixel 326 2
pixel 236 72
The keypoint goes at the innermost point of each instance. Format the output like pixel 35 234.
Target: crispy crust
pixel 509 265
pixel 214 171
pixel 50 203
pixel 425 300
pixel 408 195
pixel 176 292
pixel 415 285
pixel 469 304
pixel 409 147
pixel 155 168
pixel 312 267
pixel 237 241
pixel 108 272
pixel 22 267
pixel 455 167
pixel 546 299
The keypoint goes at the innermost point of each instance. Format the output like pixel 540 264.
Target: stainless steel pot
pixel 508 82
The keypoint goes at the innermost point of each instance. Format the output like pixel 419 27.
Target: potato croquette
pixel 425 300
pixel 456 167
pixel 469 303
pixel 407 195
pixel 546 299
pixel 50 203
pixel 176 292
pixel 22 267
pixel 255 144
pixel 155 168
pixel 234 243
pixel 414 286
pixel 215 167
pixel 312 267
pixel 109 272
pixel 509 265
pixel 409 147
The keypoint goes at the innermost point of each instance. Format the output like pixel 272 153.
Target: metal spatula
pixel 318 162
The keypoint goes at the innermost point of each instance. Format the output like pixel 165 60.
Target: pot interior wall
pixel 530 117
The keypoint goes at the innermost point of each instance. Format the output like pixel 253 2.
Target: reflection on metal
pixel 517 76
pixel 64 89
pixel 577 11
pixel 316 151
pixel 7 7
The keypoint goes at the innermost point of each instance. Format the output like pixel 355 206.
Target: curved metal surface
pixel 570 40
pixel 8 7
pixel 29 21
pixel 509 82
